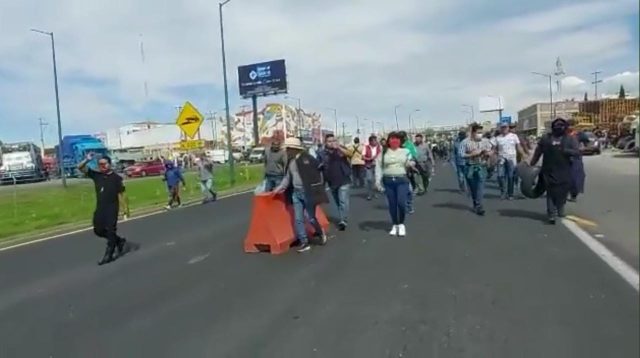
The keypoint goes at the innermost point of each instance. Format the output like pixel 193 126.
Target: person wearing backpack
pixel 357 163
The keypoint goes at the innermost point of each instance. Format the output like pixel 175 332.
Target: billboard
pixel 491 103
pixel 262 79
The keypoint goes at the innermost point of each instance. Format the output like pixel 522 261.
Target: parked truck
pixel 75 148
pixel 21 162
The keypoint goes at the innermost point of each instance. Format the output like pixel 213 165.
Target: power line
pixel 595 82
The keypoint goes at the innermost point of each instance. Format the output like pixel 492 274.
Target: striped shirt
pixel 470 145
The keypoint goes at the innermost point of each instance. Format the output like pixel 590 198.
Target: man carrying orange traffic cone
pixel 304 186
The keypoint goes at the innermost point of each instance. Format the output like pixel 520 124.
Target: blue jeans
pixel 461 173
pixel 506 176
pixel 410 197
pixel 272 182
pixel 476 178
pixel 301 206
pixel 397 190
pixel 341 198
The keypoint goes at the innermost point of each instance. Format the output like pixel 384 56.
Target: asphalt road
pixel 505 285
pixel 611 201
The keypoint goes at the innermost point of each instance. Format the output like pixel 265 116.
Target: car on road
pixel 591 144
pixel 257 155
pixel 143 169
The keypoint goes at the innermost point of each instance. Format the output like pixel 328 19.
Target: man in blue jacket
pixel 459 162
pixel 173 177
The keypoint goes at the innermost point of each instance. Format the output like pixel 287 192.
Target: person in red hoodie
pixel 371 152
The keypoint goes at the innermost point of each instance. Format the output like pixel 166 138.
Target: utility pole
pixel 344 134
pixel 232 175
pixel 42 125
pixel 357 126
pixel 595 82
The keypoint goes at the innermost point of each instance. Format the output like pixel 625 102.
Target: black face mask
pixel 558 131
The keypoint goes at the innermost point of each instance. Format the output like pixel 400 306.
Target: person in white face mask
pixel 477 150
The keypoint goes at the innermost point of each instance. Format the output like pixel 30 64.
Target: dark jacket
pixel 335 168
pixel 311 177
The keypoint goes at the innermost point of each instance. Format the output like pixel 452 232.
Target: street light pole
pixel 395 111
pixel 232 177
pixel 552 110
pixel 335 117
pixel 413 127
pixel 357 125
pixel 55 81
pixel 472 112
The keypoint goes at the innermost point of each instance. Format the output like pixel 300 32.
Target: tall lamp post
pixel 381 124
pixel 413 127
pixel 297 114
pixel 232 177
pixel 335 117
pixel 395 111
pixel 55 82
pixel 551 108
pixel 473 115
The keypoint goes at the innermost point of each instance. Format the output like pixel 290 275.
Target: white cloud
pixel 361 57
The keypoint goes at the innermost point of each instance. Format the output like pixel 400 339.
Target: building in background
pixel 608 113
pixel 533 120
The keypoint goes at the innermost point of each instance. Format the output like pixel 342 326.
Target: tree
pixel 622 94
pixel 586 98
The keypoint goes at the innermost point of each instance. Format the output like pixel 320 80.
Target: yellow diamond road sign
pixel 189 120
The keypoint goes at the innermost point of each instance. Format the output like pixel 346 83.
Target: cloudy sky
pixel 361 57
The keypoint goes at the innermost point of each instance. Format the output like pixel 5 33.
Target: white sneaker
pixel 402 231
pixel 394 230
pixel 168 207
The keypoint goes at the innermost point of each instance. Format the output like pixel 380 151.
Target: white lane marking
pixel 159 211
pixel 622 268
pixel 197 259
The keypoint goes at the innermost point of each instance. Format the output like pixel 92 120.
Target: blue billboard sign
pixel 505 120
pixel 262 79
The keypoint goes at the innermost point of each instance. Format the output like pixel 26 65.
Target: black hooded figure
pixel 557 150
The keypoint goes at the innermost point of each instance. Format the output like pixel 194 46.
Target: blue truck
pixel 75 149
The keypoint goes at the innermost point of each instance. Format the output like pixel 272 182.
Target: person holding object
pixel 508 147
pixel 477 151
pixel 391 177
pixel 557 150
pixel 304 187
pixel 110 199
pixel 173 177
pixel 356 154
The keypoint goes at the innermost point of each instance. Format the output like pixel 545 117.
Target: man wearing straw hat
pixel 305 188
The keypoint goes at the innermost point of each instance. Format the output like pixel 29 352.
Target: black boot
pixel 108 255
pixel 122 247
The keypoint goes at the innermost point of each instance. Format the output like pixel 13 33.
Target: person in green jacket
pixel 408 145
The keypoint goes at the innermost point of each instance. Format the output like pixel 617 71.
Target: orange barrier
pixel 271 227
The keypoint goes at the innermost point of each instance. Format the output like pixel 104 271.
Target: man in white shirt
pixel 507 147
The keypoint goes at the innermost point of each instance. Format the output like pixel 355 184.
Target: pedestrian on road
pixel 477 151
pixel 460 162
pixel 357 163
pixel 337 175
pixel 507 147
pixel 274 165
pixel 578 175
pixel 371 152
pixel 109 200
pixel 205 173
pixel 173 177
pixel 557 149
pixel 424 163
pixel 393 180
pixel 304 187
pixel 412 172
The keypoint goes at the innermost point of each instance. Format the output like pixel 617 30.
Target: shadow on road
pixel 374 225
pixel 454 191
pixel 454 206
pixel 625 155
pixel 525 214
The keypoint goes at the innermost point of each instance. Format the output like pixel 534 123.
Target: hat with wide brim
pixel 293 143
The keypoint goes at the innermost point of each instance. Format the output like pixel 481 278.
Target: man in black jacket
pixel 305 187
pixel 557 150
pixel 337 174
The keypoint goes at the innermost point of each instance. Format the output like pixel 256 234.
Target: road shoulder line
pixel 617 264
pixel 138 217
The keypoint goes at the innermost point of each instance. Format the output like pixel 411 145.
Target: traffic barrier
pixel 530 184
pixel 271 227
